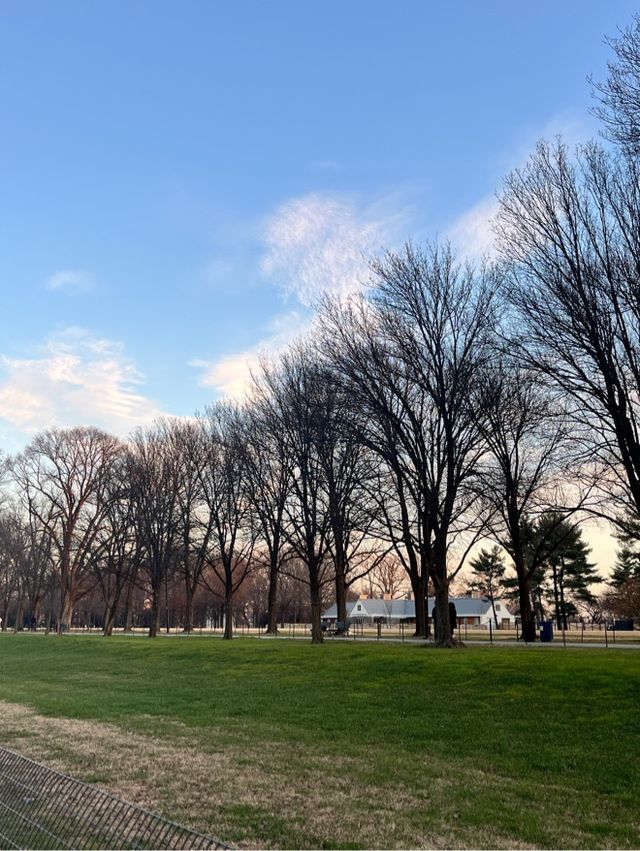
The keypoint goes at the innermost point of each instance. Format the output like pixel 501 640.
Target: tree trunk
pixel 128 615
pixel 272 605
pixel 155 613
pixel 443 633
pixel 110 617
pixel 228 611
pixel 66 615
pixel 341 595
pixel 418 590
pixel 20 612
pixel 316 608
pixel 526 611
pixel 556 595
pixel 188 615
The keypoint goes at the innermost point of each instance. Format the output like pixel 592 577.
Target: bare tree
pixel 197 521
pixel 9 574
pixel 63 478
pixel 619 95
pixel 290 398
pixel 527 470
pixel 154 475
pixel 267 471
pixel 350 470
pixel 118 550
pixel 223 481
pixel 386 578
pixel 569 231
pixel 410 355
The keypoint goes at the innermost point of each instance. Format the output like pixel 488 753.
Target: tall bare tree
pixel 197 521
pixel 569 230
pixel 63 478
pixel 527 470
pixel 154 475
pixel 290 395
pixel 267 471
pixel 224 488
pixel 619 95
pixel 410 353
pixel 118 551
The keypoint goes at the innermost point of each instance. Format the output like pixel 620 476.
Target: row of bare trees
pixel 446 403
pixel 403 429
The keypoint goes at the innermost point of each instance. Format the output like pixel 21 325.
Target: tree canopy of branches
pixel 525 467
pixel 63 477
pixel 223 481
pixel 619 95
pixel 153 472
pixel 568 229
pixel 409 355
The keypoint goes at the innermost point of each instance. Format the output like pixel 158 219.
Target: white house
pixel 472 611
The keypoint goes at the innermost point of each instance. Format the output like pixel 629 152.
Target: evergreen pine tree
pixel 487 576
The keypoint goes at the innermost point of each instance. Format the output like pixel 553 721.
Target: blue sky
pixel 179 180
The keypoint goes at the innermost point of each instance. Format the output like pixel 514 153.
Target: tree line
pixel 447 403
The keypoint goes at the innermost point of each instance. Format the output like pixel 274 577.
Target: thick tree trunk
pixel 418 591
pixel 228 611
pixel 526 611
pixel 341 595
pixel 128 615
pixel 155 613
pixel 443 633
pixel 19 613
pixel 272 604
pixel 316 608
pixel 68 605
pixel 110 618
pixel 188 614
pixel 556 596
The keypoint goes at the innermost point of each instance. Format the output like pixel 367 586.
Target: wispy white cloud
pixel 321 243
pixel 471 234
pixel 73 378
pixel 69 281
pixel 230 375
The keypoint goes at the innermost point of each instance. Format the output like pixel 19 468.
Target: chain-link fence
pixel 42 808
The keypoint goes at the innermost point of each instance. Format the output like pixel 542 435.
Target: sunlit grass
pixel 479 747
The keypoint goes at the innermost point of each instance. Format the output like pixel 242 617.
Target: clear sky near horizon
pixel 180 180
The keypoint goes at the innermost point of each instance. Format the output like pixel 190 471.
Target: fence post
pixel 606 636
pixel 490 632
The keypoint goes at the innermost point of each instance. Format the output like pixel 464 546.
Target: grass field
pixel 282 744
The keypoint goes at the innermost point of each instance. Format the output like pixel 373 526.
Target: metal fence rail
pixel 42 808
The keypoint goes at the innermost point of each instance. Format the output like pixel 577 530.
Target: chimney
pixel 386 596
pixel 363 597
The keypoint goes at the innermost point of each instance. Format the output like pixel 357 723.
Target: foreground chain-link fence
pixel 42 808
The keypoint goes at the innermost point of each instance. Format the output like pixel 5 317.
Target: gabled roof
pixel 370 608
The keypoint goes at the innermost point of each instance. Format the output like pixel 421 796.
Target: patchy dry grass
pixel 211 788
pixel 283 745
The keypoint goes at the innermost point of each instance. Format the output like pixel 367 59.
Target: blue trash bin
pixel 546 631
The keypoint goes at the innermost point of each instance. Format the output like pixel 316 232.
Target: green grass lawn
pixel 282 744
